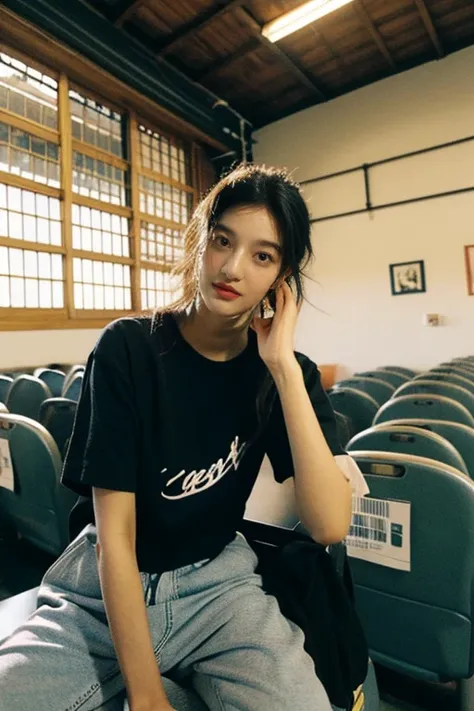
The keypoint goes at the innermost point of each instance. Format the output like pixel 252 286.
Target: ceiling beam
pixel 125 10
pixel 303 76
pixel 224 62
pixel 199 22
pixel 366 20
pixel 430 28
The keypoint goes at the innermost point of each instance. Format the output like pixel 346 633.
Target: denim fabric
pixel 214 632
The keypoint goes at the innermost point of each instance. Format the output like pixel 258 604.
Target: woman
pixel 176 413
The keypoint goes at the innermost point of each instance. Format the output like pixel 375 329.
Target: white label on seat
pixel 380 532
pixel 6 466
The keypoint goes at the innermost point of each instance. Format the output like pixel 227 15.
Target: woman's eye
pixel 264 257
pixel 222 241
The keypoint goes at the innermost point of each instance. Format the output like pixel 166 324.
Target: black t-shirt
pixel 157 418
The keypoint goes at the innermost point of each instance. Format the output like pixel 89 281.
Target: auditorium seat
pixel 398 369
pixel 5 383
pixel 380 390
pixel 434 387
pixel 26 395
pixel 359 407
pixel 408 440
pixel 72 388
pixel 57 415
pixel 390 376
pixel 448 377
pixel 429 407
pixel 420 623
pixel 54 379
pixel 460 436
pixel 38 509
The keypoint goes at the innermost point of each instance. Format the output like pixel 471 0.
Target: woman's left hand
pixel 275 335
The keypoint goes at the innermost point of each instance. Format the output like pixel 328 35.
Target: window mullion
pixel 66 188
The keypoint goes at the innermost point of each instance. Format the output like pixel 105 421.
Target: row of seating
pixel 412 435
pixel 49 396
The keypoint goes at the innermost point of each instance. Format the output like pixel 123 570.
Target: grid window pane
pixel 163 200
pixel 156 289
pixel 163 245
pixel 165 156
pixel 97 179
pixel 96 124
pixel 101 285
pixel 29 216
pixel 27 92
pixel 31 279
pixel 99 231
pixel 23 154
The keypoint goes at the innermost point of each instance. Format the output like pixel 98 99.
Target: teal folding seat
pixel 380 390
pixel 408 440
pixel 5 383
pixel 54 379
pixel 344 428
pixel 430 407
pixel 390 376
pixel 447 377
pixel 359 407
pixel 73 389
pixel 57 415
pixel 419 623
pixel 398 369
pixel 38 508
pixel 460 436
pixel 434 387
pixel 25 396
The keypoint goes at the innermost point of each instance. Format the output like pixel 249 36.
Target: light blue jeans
pixel 214 631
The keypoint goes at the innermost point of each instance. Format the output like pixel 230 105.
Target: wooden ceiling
pixel 218 43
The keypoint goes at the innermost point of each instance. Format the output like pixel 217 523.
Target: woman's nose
pixel 233 267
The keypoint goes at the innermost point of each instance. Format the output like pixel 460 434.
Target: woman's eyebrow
pixel 259 242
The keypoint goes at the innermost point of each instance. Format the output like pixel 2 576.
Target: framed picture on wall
pixel 407 278
pixel 469 259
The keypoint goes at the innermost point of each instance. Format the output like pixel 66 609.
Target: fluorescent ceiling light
pixel 300 17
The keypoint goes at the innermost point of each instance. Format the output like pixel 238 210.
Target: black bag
pixel 314 589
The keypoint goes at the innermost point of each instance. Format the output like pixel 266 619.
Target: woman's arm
pixel 323 494
pixel 124 602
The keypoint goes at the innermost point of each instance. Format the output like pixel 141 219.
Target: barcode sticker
pixel 380 532
pixel 6 466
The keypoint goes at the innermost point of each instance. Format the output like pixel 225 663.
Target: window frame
pixel 70 317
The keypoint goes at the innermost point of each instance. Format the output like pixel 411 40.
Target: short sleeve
pixel 103 449
pixel 277 444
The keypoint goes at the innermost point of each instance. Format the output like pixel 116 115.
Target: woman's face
pixel 241 262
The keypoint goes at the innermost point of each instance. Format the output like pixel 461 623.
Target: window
pixel 91 218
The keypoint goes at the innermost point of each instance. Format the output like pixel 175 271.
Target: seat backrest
pixel 430 407
pixel 71 373
pixel 39 507
pixel 446 377
pixel 420 622
pixel 398 369
pixel 57 414
pixel 54 379
pixel 435 387
pixel 466 367
pixel 5 383
pixel 73 389
pixel 408 440
pixel 390 376
pixel 460 436
pixel 359 407
pixel 26 395
pixel 344 428
pixel 380 390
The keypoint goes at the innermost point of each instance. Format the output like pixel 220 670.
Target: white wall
pixel 365 326
pixel 29 348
